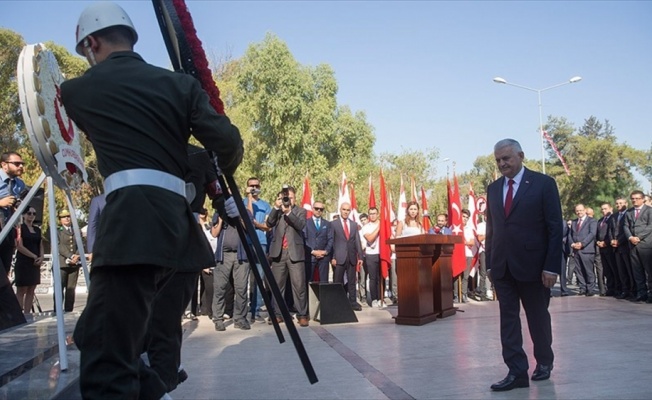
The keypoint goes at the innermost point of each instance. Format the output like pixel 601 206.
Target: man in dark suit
pixel 606 252
pixel 638 231
pixel 524 249
pixel 347 252
pixel 319 244
pixel 139 118
pixel 620 244
pixel 69 260
pixel 287 251
pixel 583 243
pixel 566 255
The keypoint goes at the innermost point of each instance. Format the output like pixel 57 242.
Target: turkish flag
pixel 455 221
pixel 424 207
pixel 307 200
pixel 385 230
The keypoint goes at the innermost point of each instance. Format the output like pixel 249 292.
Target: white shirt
pixel 517 181
pixel 370 248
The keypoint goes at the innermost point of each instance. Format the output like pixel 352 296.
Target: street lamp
pixel 538 91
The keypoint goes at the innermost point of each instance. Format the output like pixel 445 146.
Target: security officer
pixel 69 259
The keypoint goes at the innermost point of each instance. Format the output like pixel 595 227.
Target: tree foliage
pixel 14 135
pixel 291 123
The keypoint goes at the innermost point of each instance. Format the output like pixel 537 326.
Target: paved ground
pixel 603 348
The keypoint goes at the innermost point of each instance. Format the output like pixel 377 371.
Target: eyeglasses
pixel 318 208
pixel 31 213
pixel 255 186
pixel 66 216
pixel 16 163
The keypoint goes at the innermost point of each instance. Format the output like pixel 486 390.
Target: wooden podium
pixel 425 279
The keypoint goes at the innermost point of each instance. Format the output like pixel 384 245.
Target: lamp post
pixel 538 91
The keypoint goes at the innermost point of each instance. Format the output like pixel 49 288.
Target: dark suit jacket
pixel 319 240
pixel 603 233
pixel 640 227
pixel 291 226
pixel 529 240
pixel 97 205
pixel 141 116
pixel 67 246
pixel 618 232
pixel 346 251
pixel 586 235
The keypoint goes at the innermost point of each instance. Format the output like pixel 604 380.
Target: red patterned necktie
pixel 509 197
pixel 346 229
pixel 579 224
pixel 636 212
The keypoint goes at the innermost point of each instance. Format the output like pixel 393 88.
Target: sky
pixel 422 71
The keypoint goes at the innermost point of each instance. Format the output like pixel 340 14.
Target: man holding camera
pixel 10 188
pixel 260 210
pixel 287 251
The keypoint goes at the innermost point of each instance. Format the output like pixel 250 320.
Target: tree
pixel 14 135
pixel 601 168
pixel 290 121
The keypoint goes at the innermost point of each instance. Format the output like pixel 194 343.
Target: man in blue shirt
pixel 10 188
pixel 260 209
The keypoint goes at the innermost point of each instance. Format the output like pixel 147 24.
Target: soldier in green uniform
pixel 138 118
pixel 69 260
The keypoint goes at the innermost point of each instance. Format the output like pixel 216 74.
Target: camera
pixel 254 191
pixel 20 198
pixel 286 196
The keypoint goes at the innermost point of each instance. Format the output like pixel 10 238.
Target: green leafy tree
pixel 291 123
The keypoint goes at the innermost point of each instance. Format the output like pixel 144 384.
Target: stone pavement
pixel 603 348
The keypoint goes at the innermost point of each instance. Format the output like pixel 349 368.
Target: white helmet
pixel 98 16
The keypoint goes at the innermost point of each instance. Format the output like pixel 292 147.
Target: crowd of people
pixel 611 255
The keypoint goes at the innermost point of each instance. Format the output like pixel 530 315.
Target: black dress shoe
pixel 356 307
pixel 564 294
pixel 541 372
pixel 641 298
pixel 589 294
pixel 621 295
pixel 510 382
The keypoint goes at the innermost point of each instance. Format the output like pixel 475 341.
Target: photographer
pixel 10 188
pixel 260 209
pixel 287 251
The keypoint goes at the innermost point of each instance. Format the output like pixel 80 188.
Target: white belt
pixel 147 177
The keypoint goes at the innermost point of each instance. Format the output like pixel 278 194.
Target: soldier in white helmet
pixel 138 118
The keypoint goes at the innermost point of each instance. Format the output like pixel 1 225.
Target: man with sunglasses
pixel 10 187
pixel 319 244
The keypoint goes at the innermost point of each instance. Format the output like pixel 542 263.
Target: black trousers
pixel 7 248
pixel 163 343
pixel 372 264
pixel 624 266
pixel 111 331
pixel 69 277
pixel 535 299
pixel 10 312
pixel 338 277
pixel 641 260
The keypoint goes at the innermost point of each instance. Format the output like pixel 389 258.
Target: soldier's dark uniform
pixel 139 116
pixel 69 272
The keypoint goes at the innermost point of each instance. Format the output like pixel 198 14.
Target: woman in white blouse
pixel 412 224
